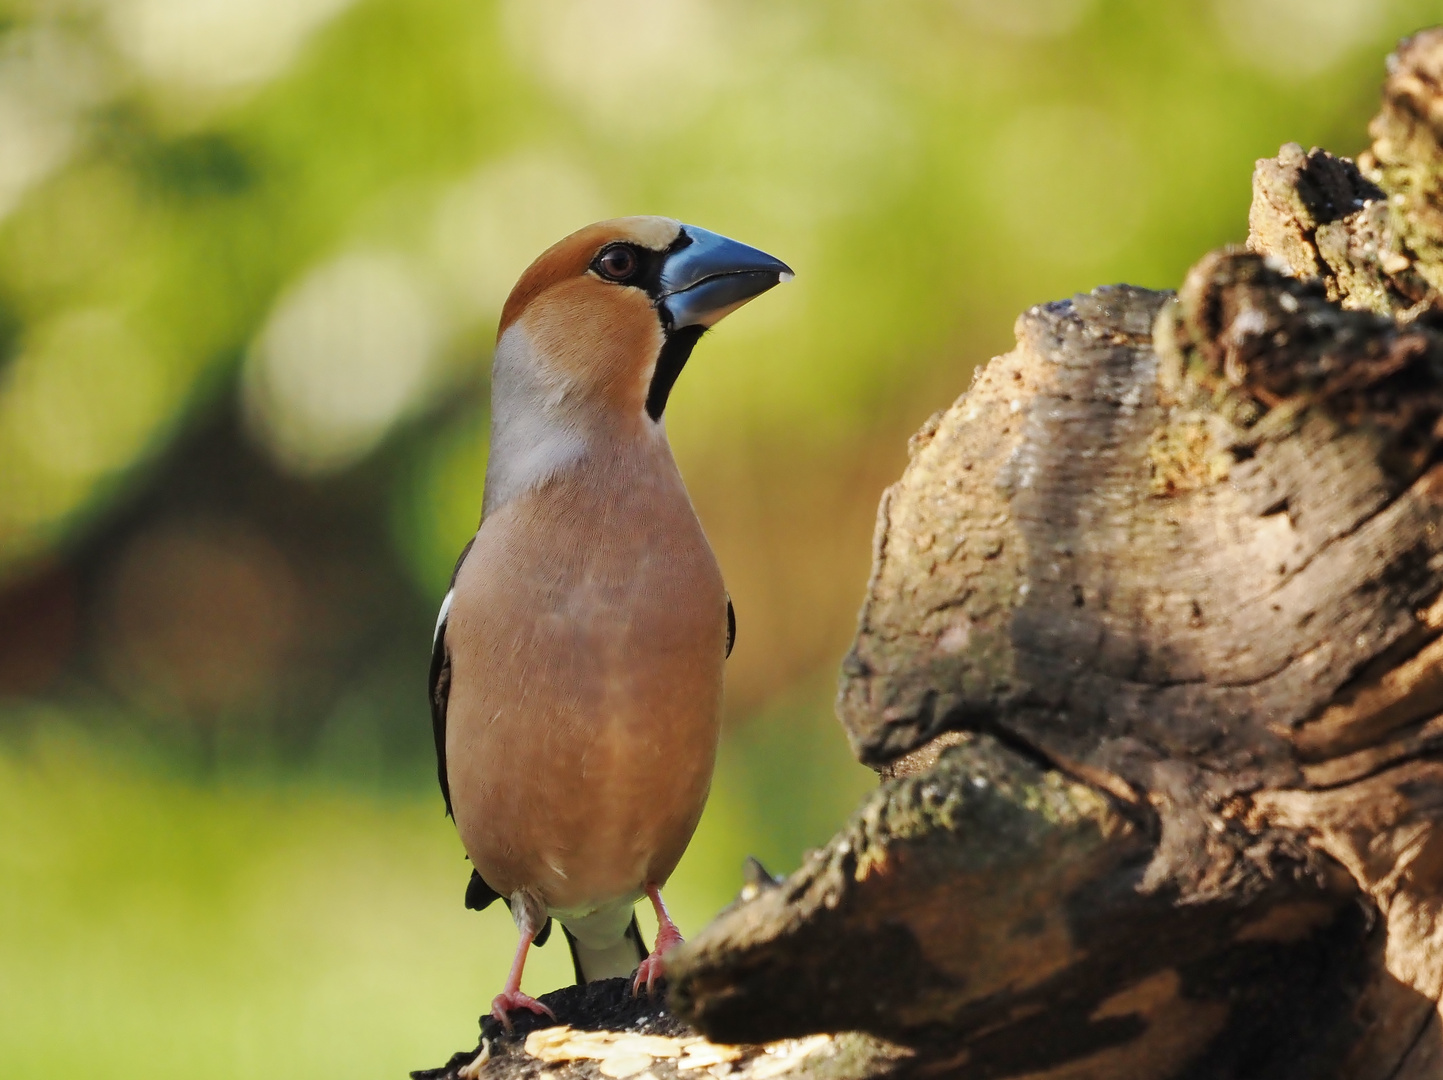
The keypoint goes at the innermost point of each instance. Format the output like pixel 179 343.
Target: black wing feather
pixel 479 895
pixel 440 688
pixel 731 626
pixel 440 692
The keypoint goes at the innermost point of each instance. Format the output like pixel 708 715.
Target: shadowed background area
pixel 252 253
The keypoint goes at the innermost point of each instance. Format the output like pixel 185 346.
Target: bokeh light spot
pixel 819 142
pixel 491 225
pixel 85 392
pixel 46 79
pixel 78 403
pixel 216 43
pixel 1027 18
pixel 1298 38
pixel 634 66
pixel 347 352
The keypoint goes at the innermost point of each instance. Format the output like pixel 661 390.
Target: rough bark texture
pixel 1152 661
pixel 1184 553
pixel 602 1031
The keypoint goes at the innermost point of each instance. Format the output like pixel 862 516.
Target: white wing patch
pixel 441 618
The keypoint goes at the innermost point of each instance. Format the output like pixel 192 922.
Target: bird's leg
pixel 512 997
pixel 667 937
pixel 530 917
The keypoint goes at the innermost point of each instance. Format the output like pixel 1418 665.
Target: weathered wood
pixel 602 1031
pixel 991 898
pixel 1173 568
pixel 1150 663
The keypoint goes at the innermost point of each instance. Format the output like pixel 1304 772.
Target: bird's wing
pixel 440 691
pixel 478 894
pixel 731 625
pixel 440 682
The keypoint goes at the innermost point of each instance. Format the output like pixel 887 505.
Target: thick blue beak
pixel 712 276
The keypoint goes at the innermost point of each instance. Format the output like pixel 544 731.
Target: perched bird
pixel 576 673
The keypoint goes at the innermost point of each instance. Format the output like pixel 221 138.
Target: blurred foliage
pixel 251 258
pixel 161 926
pixel 183 170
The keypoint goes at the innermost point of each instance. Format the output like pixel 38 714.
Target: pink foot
pixel 654 966
pixel 507 1000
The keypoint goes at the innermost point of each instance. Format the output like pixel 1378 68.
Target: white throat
pixel 533 433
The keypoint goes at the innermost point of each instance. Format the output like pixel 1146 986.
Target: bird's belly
pixel 588 636
pixel 586 807
pixel 583 721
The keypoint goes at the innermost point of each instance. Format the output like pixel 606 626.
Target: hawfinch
pixel 576 673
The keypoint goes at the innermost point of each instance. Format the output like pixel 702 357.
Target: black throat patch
pixel 675 351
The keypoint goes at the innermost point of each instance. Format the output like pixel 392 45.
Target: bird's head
pixel 593 338
pixel 610 314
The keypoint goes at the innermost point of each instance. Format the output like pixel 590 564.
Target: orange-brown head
pixel 595 333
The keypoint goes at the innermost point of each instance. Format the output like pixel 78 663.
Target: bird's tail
pixel 609 962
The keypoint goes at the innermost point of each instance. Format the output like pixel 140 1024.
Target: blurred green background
pixel 251 258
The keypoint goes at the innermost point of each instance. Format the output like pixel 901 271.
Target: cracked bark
pixel 1150 663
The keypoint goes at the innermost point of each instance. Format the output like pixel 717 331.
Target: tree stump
pixel 1151 661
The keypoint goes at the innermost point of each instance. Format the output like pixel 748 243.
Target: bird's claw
pixel 648 971
pixel 507 1000
pixel 654 966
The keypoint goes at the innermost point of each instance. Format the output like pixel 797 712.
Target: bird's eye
pixel 617 263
